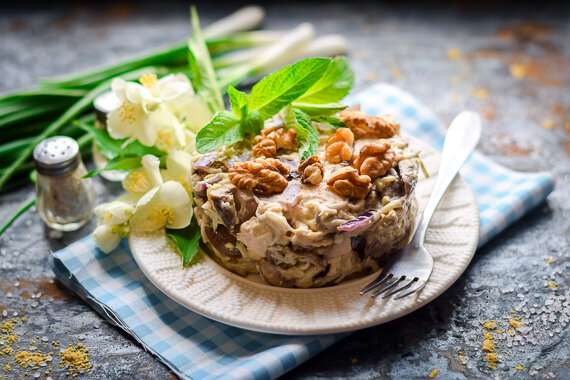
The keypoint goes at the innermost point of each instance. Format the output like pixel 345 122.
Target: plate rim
pixel 230 320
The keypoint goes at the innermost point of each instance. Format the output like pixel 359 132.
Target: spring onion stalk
pixel 287 46
pixel 324 46
pixel 62 120
pixel 242 19
pixel 38 92
pixel 26 205
pixel 245 18
pixel 244 40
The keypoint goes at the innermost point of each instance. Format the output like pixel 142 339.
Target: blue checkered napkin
pixel 199 348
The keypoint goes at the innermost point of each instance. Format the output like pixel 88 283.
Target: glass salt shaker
pixel 64 200
pixel 103 104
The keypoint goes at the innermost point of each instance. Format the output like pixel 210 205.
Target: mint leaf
pixel 238 99
pixel 284 86
pixel 203 76
pixel 223 129
pixel 307 134
pixel 118 163
pixel 186 240
pixel 333 121
pixel 319 110
pixel 334 85
pixel 252 123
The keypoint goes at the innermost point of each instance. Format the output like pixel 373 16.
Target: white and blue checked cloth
pixel 199 348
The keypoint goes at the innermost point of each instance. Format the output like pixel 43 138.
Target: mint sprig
pixel 305 92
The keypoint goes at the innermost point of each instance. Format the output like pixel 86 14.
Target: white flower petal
pixel 174 195
pixel 105 239
pixel 151 166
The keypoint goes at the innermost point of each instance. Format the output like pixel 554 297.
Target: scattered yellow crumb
pixel 7 368
pixel 492 359
pixel 433 373
pixel 515 323
pixel 549 261
pixel 460 356
pixel 513 311
pixel 454 53
pixel 517 70
pixel 396 73
pixel 488 345
pixel 551 285
pixel 548 123
pixel 520 367
pixel 29 358
pixel 24 319
pixel 511 331
pixel 479 93
pixel 77 358
pixel 353 360
pixel 490 325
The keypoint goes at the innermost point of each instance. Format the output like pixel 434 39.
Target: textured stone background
pixel 527 127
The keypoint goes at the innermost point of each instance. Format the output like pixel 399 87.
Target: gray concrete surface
pixel 406 44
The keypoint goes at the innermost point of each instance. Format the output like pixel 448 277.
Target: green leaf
pixel 284 86
pixel 334 122
pixel 223 129
pixel 186 240
pixel 111 148
pixel 203 76
pixel 118 163
pixel 307 134
pixel 238 99
pixel 334 85
pixel 252 124
pixel 319 110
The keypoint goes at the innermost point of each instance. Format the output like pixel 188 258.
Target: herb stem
pixel 26 205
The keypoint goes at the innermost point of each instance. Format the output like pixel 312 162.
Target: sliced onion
pixel 202 186
pixel 364 220
pixel 204 162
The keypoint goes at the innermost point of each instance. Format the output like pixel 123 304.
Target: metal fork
pixel 408 270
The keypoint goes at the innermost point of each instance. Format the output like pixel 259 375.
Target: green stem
pixel 26 205
pixel 65 118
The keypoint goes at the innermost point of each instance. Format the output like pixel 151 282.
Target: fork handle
pixel 461 138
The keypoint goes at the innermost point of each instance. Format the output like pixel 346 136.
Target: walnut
pixel 348 183
pixel 312 170
pixel 271 140
pixel 364 125
pixel 374 160
pixel 338 148
pixel 263 175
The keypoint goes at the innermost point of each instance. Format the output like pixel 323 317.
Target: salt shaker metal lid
pixel 105 103
pixel 57 156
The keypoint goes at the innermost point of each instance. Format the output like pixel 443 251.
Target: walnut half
pixel 270 141
pixel 348 183
pixel 263 175
pixel 374 160
pixel 312 170
pixel 339 147
pixel 363 125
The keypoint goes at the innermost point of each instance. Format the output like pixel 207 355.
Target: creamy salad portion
pixel 308 223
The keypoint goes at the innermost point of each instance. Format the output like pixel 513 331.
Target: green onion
pixel 26 205
pixel 65 118
pixel 286 47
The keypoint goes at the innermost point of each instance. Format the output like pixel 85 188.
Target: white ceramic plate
pixel 210 290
